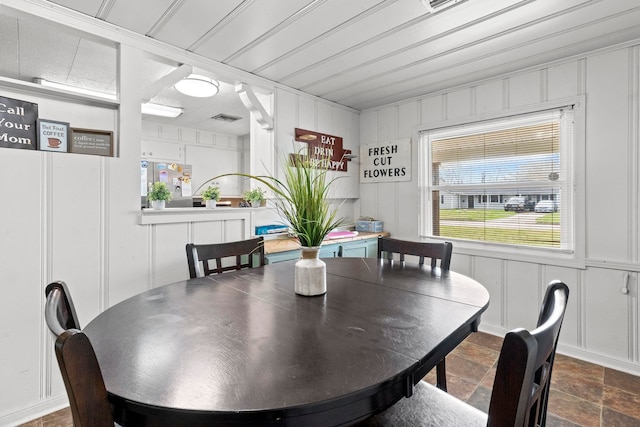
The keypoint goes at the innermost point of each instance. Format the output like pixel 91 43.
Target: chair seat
pixel 429 406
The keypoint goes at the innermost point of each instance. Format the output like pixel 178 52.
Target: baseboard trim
pixel 32 412
pixel 581 354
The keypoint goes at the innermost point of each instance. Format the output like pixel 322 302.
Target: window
pixel 518 160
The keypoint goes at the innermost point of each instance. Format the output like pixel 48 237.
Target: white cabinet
pixel 161 151
pixel 208 162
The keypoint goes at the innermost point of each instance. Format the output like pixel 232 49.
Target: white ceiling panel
pixel 9 65
pixel 140 18
pixel 88 7
pixel 383 58
pixel 358 33
pixel 304 30
pixel 41 54
pixel 360 53
pixel 255 21
pixel 475 62
pixel 176 33
pixel 94 67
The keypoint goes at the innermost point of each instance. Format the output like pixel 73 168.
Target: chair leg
pixel 441 375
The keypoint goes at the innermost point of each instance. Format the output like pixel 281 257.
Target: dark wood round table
pixel 242 348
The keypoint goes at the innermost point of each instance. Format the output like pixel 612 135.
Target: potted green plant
pixel 254 196
pixel 211 195
pixel 159 194
pixel 301 199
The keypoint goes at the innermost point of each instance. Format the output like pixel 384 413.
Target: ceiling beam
pixel 251 101
pixel 166 81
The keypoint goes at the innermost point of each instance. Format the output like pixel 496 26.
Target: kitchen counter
pixel 182 215
pixel 290 244
pixel 362 245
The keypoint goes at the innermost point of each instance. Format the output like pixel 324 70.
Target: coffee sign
pixel 18 124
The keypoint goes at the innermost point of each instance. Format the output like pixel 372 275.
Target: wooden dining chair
pixel 77 361
pixel 226 256
pixel 520 390
pixel 83 380
pixel 434 250
pixel 59 312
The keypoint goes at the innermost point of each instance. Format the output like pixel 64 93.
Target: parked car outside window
pixel 546 206
pixel 519 204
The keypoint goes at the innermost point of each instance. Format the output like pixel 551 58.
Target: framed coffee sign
pixel 53 136
pixel 18 124
pixel 91 141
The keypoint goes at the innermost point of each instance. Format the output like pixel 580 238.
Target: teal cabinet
pixel 360 249
pixel 282 256
pixel 367 248
pixel 329 251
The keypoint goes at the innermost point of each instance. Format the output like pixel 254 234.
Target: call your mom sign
pixel 386 162
pixel 18 123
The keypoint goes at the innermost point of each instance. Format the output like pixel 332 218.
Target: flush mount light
pixel 74 89
pixel 198 86
pixel 160 110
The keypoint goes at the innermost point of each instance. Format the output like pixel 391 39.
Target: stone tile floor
pixel 583 394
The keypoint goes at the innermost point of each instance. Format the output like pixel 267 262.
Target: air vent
pixel 436 5
pixel 226 118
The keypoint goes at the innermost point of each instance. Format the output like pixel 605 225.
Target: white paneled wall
pixel 75 218
pixel 296 110
pixel 601 322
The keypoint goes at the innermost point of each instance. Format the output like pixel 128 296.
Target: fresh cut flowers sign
pixel 386 162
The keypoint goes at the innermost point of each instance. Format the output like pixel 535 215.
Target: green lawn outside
pixel 501 235
pixel 550 218
pixel 474 214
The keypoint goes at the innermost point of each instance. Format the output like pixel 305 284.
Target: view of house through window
pixel 504 181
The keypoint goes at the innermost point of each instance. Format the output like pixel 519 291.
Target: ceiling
pixel 358 53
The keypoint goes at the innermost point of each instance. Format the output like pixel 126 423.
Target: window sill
pixel 547 256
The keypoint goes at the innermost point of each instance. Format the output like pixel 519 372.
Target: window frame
pixel 574 257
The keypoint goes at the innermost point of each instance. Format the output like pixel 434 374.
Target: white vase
pixel 211 204
pixel 310 273
pixel 157 204
pixel 256 204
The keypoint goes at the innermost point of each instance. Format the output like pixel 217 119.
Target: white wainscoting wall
pixel 76 218
pixel 601 324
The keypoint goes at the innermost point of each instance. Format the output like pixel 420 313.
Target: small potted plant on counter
pixel 255 197
pixel 159 194
pixel 211 195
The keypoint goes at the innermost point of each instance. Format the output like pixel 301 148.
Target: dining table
pixel 242 349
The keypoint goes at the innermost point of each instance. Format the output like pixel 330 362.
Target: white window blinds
pixel 488 179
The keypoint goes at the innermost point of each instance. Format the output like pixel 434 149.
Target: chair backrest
pixel 434 250
pixel 59 311
pixel 227 256
pixel 83 380
pixel 523 376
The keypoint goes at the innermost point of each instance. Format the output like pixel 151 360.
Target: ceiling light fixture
pixel 161 110
pixel 198 86
pixel 74 89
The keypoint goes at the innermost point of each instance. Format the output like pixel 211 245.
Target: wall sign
pixel 326 147
pixel 89 141
pixel 52 135
pixel 386 162
pixel 18 124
